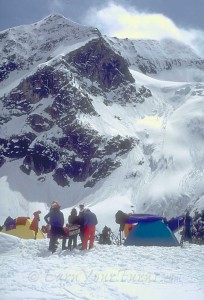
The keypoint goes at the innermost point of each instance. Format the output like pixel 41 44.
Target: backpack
pixel 121 217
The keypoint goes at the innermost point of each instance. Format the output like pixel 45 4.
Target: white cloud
pixel 127 22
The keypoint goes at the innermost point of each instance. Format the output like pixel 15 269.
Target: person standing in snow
pixel 35 222
pixel 90 222
pixel 187 227
pixel 81 221
pixel 55 219
pixel 73 221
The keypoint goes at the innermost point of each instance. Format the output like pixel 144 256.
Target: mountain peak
pixel 58 19
pixel 55 17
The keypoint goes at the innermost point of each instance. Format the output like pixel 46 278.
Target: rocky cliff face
pixel 70 105
pixel 50 100
pixel 97 61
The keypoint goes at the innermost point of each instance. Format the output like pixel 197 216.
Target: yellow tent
pixel 23 230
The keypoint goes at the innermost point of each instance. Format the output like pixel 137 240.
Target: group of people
pixel 82 224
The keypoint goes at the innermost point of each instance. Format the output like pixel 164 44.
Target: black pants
pixel 187 234
pixel 55 233
pixel 72 239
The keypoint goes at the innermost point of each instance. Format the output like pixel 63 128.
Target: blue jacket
pixel 90 218
pixel 56 218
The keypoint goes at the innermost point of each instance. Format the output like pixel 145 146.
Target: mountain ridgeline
pixel 60 80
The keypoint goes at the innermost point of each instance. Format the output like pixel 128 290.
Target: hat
pixel 81 205
pixel 74 211
pixel 55 205
pixel 36 213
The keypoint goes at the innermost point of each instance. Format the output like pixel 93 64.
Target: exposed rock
pixel 61 177
pixel 39 123
pixel 97 61
pixel 16 146
pixel 41 158
pixel 6 68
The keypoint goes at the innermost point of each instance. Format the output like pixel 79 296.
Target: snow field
pixel 30 271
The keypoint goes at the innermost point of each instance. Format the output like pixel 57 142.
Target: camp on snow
pixel 148 230
pixel 139 229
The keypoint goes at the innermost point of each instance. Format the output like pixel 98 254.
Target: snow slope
pixel 29 271
pixel 167 59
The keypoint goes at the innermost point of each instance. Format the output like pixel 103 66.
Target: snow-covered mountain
pixel 153 57
pixel 94 119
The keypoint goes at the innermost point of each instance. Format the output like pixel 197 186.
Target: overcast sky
pixel 182 19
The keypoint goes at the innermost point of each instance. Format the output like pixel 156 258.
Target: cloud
pixel 127 22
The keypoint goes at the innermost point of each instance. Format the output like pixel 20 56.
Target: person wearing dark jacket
pixel 90 222
pixel 73 221
pixel 187 227
pixel 55 219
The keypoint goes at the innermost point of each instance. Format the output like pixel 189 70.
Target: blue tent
pixel 151 233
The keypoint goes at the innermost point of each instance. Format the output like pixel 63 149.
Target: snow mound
pixel 8 242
